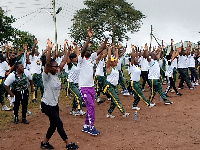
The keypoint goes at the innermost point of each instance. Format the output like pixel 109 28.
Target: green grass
pixel 7 117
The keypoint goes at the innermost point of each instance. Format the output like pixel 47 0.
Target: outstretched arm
pixel 90 34
pixel 48 57
pixel 66 58
pixel 34 46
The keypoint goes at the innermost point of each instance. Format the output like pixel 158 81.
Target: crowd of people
pixel 87 74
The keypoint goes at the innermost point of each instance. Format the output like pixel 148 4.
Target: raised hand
pixel 35 41
pixel 65 42
pixel 25 47
pixel 50 44
pixel 90 33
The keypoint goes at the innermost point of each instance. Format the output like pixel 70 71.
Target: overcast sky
pixel 177 19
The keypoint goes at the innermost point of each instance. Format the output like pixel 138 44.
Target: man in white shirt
pixel 3 68
pixel 86 82
pixel 154 75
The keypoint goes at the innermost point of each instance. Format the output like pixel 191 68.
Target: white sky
pixel 177 19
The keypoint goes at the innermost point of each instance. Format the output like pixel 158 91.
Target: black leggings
pixel 21 96
pixel 171 84
pixel 144 75
pixel 55 122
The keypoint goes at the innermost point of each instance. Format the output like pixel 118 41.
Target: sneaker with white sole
pixel 126 93
pixel 167 102
pixel 143 90
pixel 86 128
pixel 195 84
pixel 93 131
pixel 152 105
pixel 110 116
pixel 172 90
pixel 81 112
pixel 126 114
pixel 74 113
pixel 136 108
pixel 109 99
pixel 4 107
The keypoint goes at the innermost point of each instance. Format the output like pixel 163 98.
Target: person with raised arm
pixel 49 102
pixel 135 81
pixel 111 86
pixel 169 70
pixel 154 75
pixel 86 82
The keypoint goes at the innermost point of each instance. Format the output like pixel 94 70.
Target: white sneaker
pixel 109 99
pixel 136 108
pixel 126 114
pixel 98 100
pixel 151 105
pixel 143 90
pixel 195 84
pixel 4 107
pixel 172 91
pixel 74 113
pixel 81 112
pixel 126 92
pixel 110 116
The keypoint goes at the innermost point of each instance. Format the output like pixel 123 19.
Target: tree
pixel 116 16
pixel 8 33
pixel 6 30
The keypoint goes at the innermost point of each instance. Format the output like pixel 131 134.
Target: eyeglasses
pixel 55 66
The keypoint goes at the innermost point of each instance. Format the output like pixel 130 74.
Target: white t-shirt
pixel 36 64
pixel 52 88
pixel 135 73
pixel 86 70
pixel 182 62
pixel 3 68
pixel 119 64
pixel 11 77
pixel 59 60
pixel 66 68
pixel 99 69
pixel 169 69
pixel 191 61
pixel 154 70
pixel 175 63
pixel 113 77
pixel 73 74
pixel 144 64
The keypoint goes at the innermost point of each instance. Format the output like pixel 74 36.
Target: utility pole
pixel 151 34
pixel 54 17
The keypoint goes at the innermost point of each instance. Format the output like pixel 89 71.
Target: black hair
pixel 17 64
pixel 72 55
pixel 168 57
pixel 53 61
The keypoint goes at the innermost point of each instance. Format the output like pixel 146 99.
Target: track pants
pixel 138 94
pixel 171 84
pixel 55 122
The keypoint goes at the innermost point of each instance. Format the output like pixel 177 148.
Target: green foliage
pixel 8 33
pixel 116 16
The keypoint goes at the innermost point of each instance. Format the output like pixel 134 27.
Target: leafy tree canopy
pixel 116 16
pixel 8 33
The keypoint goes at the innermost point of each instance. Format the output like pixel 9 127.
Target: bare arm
pixel 48 57
pixel 34 46
pixel 66 58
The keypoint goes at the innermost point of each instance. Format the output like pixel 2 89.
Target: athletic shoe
pixel 126 93
pixel 4 107
pixel 143 90
pixel 74 113
pixel 99 101
pixel 151 105
pixel 16 120
pixel 167 102
pixel 46 145
pixel 25 121
pixel 172 91
pixel 136 108
pixel 180 88
pixel 179 94
pixel 191 88
pixel 126 114
pixel 195 84
pixel 83 104
pixel 81 112
pixel 110 116
pixel 86 128
pixel 72 146
pixel 109 99
pixel 28 112
pixel 93 131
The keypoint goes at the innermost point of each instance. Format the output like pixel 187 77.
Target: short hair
pixel 72 55
pixel 17 64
